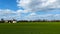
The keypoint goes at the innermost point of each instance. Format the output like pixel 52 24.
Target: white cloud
pixel 34 16
pixel 37 5
pixel 9 14
pixel 6 11
pixel 22 11
pixel 32 6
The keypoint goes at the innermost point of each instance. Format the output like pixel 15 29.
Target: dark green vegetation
pixel 30 28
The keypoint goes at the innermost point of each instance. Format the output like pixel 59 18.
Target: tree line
pixel 3 21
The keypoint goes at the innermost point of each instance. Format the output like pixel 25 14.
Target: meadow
pixel 30 28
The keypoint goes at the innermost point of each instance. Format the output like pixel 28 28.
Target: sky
pixel 30 9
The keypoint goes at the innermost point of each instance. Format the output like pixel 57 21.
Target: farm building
pixel 11 21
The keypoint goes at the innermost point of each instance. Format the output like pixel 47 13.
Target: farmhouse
pixel 10 21
pixel 14 21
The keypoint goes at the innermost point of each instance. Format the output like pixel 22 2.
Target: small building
pixel 14 22
pixel 10 21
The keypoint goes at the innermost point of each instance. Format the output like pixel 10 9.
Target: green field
pixel 30 28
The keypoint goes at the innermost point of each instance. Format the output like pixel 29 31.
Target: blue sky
pixel 30 9
pixel 8 4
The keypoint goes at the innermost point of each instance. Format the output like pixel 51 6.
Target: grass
pixel 30 28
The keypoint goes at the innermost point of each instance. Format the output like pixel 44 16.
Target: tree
pixel 2 20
